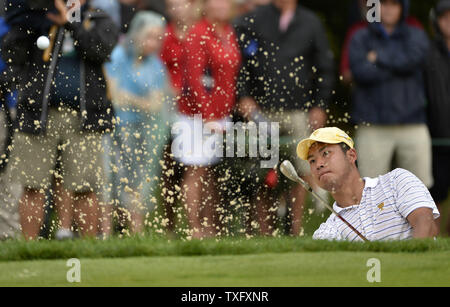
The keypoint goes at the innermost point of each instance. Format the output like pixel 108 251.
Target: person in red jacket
pixel 213 63
pixel 211 67
pixel 183 15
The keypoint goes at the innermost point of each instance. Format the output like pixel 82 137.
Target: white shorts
pixel 197 143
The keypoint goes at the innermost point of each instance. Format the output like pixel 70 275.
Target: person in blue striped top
pixel 394 206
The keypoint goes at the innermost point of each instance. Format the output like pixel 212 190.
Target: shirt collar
pixel 369 183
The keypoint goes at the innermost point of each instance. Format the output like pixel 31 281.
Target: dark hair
pixel 346 148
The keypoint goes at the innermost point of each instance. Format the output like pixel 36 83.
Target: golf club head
pixel 288 170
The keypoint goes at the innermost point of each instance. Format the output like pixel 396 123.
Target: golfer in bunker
pixel 394 206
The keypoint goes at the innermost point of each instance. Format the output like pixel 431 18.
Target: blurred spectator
pixel 9 220
pixel 10 192
pixel 389 98
pixel 357 22
pixel 128 9
pixel 111 7
pixel 212 65
pixel 62 199
pixel 158 6
pixel 438 80
pixel 357 12
pixel 182 14
pixel 139 90
pixel 287 82
pixel 64 105
pixel 121 12
pixel 246 6
pixel 7 104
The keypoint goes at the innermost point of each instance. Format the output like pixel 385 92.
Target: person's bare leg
pixel 192 185
pixel 265 216
pixel 170 214
pixel 137 222
pixel 105 219
pixel 249 217
pixel 136 215
pixel 86 213
pixel 169 194
pixel 218 211
pixel 210 220
pixel 169 201
pixel 31 209
pixel 297 201
pixel 63 205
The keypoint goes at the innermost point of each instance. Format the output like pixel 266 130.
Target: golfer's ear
pixel 352 155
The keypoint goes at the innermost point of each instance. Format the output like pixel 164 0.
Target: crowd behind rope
pixel 89 124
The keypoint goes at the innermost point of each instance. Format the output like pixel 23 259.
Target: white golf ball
pixel 43 42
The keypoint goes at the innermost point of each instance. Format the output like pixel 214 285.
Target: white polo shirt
pixel 381 215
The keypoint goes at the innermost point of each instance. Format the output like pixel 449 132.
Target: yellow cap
pixel 331 135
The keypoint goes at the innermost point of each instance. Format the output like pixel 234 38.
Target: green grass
pixel 255 270
pixel 231 262
pixel 158 246
pixel 155 261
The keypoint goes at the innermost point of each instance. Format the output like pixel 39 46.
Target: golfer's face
pixel 328 165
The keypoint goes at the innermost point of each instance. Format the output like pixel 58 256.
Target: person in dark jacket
pixel 7 102
pixel 9 221
pixel 386 60
pixel 62 104
pixel 437 72
pixel 287 77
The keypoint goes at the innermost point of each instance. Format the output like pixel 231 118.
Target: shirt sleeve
pixel 327 231
pixel 411 194
pixel 364 72
pixel 409 58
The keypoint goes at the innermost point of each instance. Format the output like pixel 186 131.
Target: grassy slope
pixel 146 261
pixel 154 246
pixel 286 269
